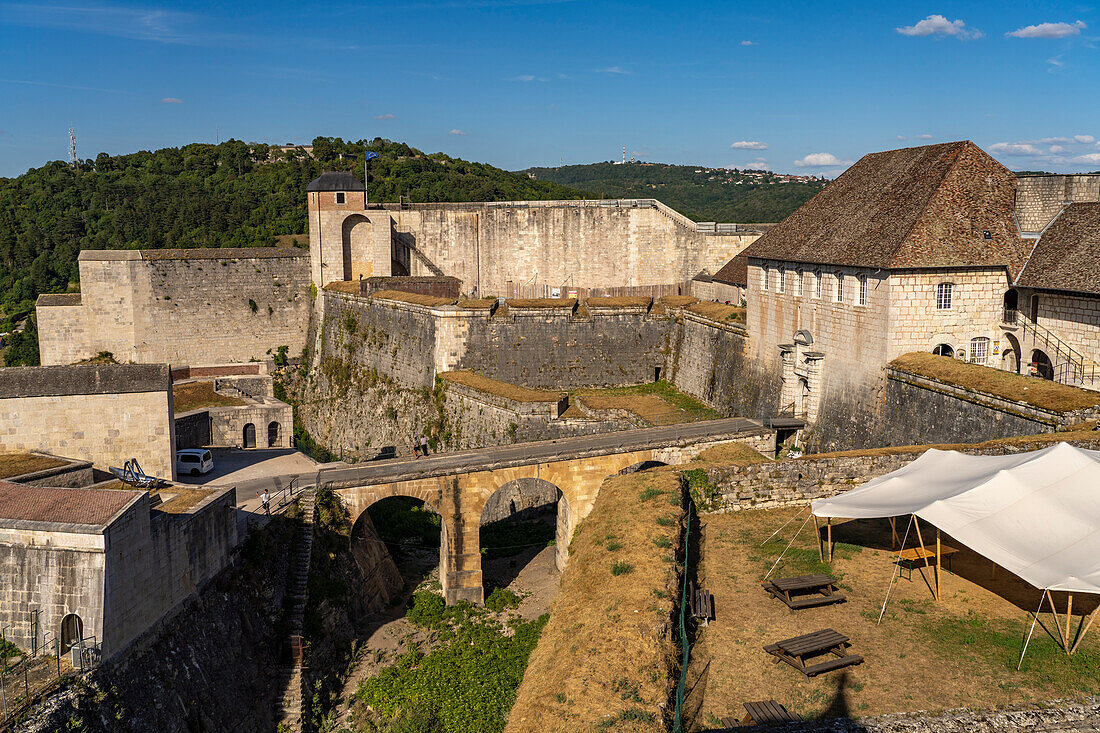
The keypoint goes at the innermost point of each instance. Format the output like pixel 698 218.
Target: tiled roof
pixel 66 506
pixel 734 272
pixel 58 299
pixel 911 208
pixel 335 181
pixel 1067 257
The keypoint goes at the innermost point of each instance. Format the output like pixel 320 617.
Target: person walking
pixel 265 499
pixel 416 447
pixel 424 445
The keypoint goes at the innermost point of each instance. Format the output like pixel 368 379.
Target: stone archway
pixel 357 248
pixel 1041 365
pixel 516 527
pixel 72 631
pixel 1010 354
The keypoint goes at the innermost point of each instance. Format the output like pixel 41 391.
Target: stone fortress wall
pixel 183 307
pixel 103 413
pixel 521 248
pixel 1040 198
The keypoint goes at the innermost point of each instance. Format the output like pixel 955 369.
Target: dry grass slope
pixel 415 298
pixel 17 464
pixel 1036 392
pixel 194 395
pixel 718 311
pixel 501 389
pixel 541 302
pixel 605 658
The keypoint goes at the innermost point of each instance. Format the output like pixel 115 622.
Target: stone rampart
pixel 103 413
pixel 184 307
pixel 1040 198
pixel 72 475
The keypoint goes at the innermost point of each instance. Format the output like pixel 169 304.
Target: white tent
pixel 1036 514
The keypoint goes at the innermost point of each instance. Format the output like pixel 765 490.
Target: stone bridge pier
pixel 460 500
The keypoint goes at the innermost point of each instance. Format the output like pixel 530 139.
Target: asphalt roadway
pixel 443 464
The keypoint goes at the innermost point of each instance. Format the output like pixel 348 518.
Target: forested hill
pixel 703 194
pixel 232 194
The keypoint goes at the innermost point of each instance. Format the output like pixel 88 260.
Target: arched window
pixel 817 284
pixel 979 350
pixel 765 272
pixel 798 275
pixel 782 286
pixel 862 294
pixel 943 350
pixel 840 287
pixel 944 294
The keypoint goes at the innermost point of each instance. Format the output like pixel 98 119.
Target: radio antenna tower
pixel 72 147
pixel 624 154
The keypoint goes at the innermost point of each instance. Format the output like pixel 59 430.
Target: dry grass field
pixel 658 403
pixel 925 655
pixel 718 311
pixel 17 464
pixel 193 395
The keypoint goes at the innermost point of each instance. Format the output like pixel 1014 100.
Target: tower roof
pixel 333 181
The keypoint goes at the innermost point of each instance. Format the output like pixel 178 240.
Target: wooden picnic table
pixel 796 651
pixel 805 591
pixel 908 559
pixel 767 712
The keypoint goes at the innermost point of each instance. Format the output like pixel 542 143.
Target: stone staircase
pixel 292 706
pixel 1069 365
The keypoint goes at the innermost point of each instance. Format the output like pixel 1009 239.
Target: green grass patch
pixel 649 493
pixel 666 392
pixel 621 567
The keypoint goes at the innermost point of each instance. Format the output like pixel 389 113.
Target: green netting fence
pixel 685 655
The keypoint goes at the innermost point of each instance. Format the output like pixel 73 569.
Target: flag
pixel 370 156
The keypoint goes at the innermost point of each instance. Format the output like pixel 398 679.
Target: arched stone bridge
pixel 458 485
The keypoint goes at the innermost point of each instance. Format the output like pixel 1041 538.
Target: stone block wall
pixel 73 475
pixel 103 413
pixel 227 424
pixel 916 324
pixel 181 306
pixel 1040 198
pixel 193 429
pixel 1073 318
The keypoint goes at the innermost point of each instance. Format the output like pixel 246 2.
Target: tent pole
pixel 1057 623
pixel 924 554
pixel 897 564
pixel 817 531
pixel 1069 618
pixel 894 531
pixel 938 565
pixel 1082 630
pixel 829 535
pixel 1028 639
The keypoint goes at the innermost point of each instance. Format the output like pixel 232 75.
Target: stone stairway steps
pixel 290 707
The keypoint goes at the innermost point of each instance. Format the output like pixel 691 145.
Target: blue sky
pixel 798 87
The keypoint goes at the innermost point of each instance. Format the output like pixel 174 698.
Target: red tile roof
pixel 925 207
pixel 734 272
pixel 1067 256
pixel 68 506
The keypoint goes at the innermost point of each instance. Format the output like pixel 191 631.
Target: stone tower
pixel 346 241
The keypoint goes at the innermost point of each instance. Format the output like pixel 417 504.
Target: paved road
pixel 443 464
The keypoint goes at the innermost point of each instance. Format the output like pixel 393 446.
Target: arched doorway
pixel 272 434
pixel 943 350
pixel 248 438
pixel 519 529
pixel 1041 365
pixel 72 631
pixel 1010 354
pixel 356 247
pixel 1012 304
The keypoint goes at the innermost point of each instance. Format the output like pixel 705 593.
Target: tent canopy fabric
pixel 1036 514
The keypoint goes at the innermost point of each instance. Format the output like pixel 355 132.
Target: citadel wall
pixel 103 413
pixel 1040 198
pixel 183 307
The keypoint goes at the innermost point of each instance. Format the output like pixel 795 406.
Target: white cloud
pixel 937 25
pixel 902 137
pixel 1084 138
pixel 923 136
pixel 1049 30
pixel 1087 158
pixel 456 131
pixel 755 166
pixel 527 78
pixel 821 160
pixel 1057 149
pixel 749 145
pixel 385 117
pixel 1015 149
pixel 612 70
pixel 1048 140
pixel 171 100
pixel 748 43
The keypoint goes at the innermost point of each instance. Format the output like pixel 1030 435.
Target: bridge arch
pixel 516 526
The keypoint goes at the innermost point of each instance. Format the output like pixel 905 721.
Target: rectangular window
pixel 840 287
pixel 944 293
pixel 765 272
pixel 863 290
pixel 782 286
pixel 817 284
pixel 798 275
pixel 340 197
pixel 979 350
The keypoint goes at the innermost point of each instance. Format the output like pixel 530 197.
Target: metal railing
pixel 1069 365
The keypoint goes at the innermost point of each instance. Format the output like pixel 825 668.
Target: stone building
pixel 515 248
pixel 100 566
pixel 922 249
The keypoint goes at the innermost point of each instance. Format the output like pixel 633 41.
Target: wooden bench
pixel 796 651
pixel 767 712
pixel 701 603
pixel 805 591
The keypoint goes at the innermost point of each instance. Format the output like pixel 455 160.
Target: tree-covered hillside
pixel 703 194
pixel 232 194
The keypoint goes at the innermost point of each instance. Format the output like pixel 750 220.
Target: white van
pixel 194 461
